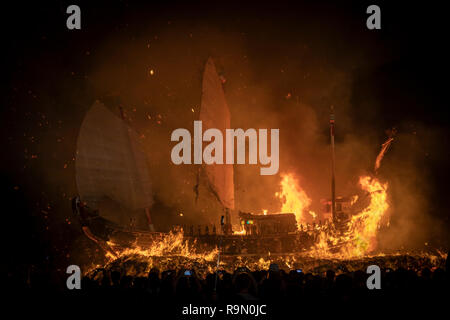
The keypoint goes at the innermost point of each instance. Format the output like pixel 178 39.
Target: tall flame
pixel 293 198
pixel 360 237
pixel 366 223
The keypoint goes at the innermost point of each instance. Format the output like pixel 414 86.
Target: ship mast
pixel 333 192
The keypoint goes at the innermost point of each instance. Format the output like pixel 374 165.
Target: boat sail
pixel 214 113
pixel 111 169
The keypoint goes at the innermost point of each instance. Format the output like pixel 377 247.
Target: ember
pixel 295 206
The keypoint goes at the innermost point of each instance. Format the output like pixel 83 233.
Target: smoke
pixel 289 91
pixel 277 77
pixel 412 218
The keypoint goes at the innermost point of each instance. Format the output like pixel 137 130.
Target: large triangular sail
pixel 110 163
pixel 214 113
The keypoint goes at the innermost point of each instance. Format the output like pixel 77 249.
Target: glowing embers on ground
pixel 136 265
pixel 294 199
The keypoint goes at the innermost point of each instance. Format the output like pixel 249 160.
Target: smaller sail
pixel 110 162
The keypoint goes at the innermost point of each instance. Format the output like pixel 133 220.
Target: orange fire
pixel 360 237
pixel 241 232
pixel 294 199
pixel 365 224
pixel 172 244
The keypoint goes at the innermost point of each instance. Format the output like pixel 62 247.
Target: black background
pixel 413 85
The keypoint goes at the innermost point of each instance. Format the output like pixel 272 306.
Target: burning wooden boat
pixel 116 194
pixel 115 189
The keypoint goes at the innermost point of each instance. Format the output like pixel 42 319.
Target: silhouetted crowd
pixel 270 286
pixel 284 293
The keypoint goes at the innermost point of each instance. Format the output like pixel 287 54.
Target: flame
pixel 353 200
pixel 293 198
pixel 360 237
pixel 241 232
pixel 384 148
pixel 361 230
pixel 172 244
pixel 366 223
pixel 358 241
pixel 313 214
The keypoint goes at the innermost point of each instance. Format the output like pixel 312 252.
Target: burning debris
pixel 356 242
pixel 174 252
pixel 359 238
pixel 346 230
pixel 384 148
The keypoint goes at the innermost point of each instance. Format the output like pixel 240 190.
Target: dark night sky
pixel 399 79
